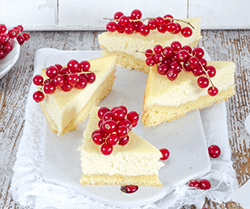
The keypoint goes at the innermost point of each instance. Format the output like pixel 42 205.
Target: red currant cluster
pixel 74 75
pixel 133 23
pixel 6 45
pixel 114 127
pixel 171 60
pixel 202 184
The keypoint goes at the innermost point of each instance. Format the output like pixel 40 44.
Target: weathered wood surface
pixel 14 87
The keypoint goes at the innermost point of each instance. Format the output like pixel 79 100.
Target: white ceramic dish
pixel 183 137
pixel 8 62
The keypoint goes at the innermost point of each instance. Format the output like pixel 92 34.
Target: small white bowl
pixel 7 63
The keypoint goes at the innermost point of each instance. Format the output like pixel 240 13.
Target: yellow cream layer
pixel 62 106
pixel 138 157
pixel 161 91
pixel 135 44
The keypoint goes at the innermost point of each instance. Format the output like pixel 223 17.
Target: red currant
pixel 158 49
pixel 120 28
pixel 49 88
pixel 84 66
pixel 168 52
pixel 108 126
pixel 214 151
pixel 178 28
pixel 122 131
pixel 188 49
pixel 72 79
pixel 165 154
pixel 118 114
pixel 3 28
pixel 211 71
pixel 133 117
pixel 158 58
pixel 64 71
pixel 90 77
pixel 137 26
pixel 182 56
pixel 73 65
pixel 129 29
pixel 126 123
pixel 172 74
pixel 20 39
pixel 102 111
pixel 194 62
pixel 26 36
pixel 136 14
pixel 212 91
pixel 176 66
pixel 186 32
pixel 203 62
pixel 38 80
pixel 97 138
pixel 82 83
pixel 204 184
pixel 58 80
pixel 111 26
pixel 107 116
pixel 38 96
pixel 159 21
pixel 162 28
pixel 171 27
pixel 58 66
pixel 144 30
pixel 52 71
pixel 150 61
pixel 149 52
pixel 129 189
pixel 202 82
pixel 151 24
pixel 12 33
pixel 106 149
pixel 113 139
pixel 167 18
pixel 194 183
pixel 4 37
pixel 124 20
pixel 117 15
pixel 66 87
pixel 198 52
pixel 125 110
pixel 123 140
pixel 198 71
pixel 176 45
pixel 162 69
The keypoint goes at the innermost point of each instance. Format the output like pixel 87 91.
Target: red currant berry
pixel 26 36
pixel 194 183
pixel 7 47
pixel 124 20
pixel 194 62
pixel 107 115
pixel 202 82
pixel 90 77
pixel 12 33
pixel 38 96
pixel 137 26
pixel 125 110
pixel 123 140
pixel 162 69
pixel 151 24
pixel 4 37
pixel 150 61
pixel 149 52
pixel 129 29
pixel 186 32
pixel 198 71
pixel 167 61
pixel 113 139
pixel 178 28
pixel 162 28
pixel 144 30
pixel 165 154
pixel 176 66
pixel 108 126
pixel 117 15
pixel 176 45
pixel 118 114
pixel 102 111
pixel 122 131
pixel 133 117
pixel 3 28
pixel 84 66
pixel 111 26
pixel 183 56
pixel 120 28
pixel 167 18
pixel 136 14
pixel 198 52
pixel 129 189
pixel 66 87
pixel 211 71
pixel 171 27
pixel 49 88
pixel 188 49
pixel 82 83
pixel 52 71
pixel 20 28
pixel 58 80
pixel 203 62
pixel 97 138
pixel 172 74
pixel 106 149
pixel 158 49
pixel 58 66
pixel 186 66
pixel 159 21
pixel 212 91
pixel 168 52
pixel 126 123
pixel 158 58
pixel 204 184
pixel 20 39
pixel 72 79
pixel 38 80
pixel 214 151
pixel 64 71
pixel 73 65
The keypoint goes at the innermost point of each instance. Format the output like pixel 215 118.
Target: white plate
pixel 8 62
pixel 183 137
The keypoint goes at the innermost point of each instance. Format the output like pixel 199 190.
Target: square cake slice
pixel 135 163
pixel 64 110
pixel 166 100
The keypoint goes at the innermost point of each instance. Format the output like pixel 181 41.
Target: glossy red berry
pixel 168 52
pixel 90 77
pixel 144 30
pixel 102 111
pixel 165 154
pixel 151 24
pixel 167 18
pixel 214 151
pixel 129 189
pixel 108 126
pixel 66 87
pixel 194 183
pixel 97 138
pixel 198 52
pixel 26 36
pixel 211 71
pixel 38 80
pixel 186 32
pixel 197 71
pixel 129 29
pixel 172 74
pixel 82 83
pixel 122 131
pixel 150 61
pixel 176 45
pixel 117 15
pixel 182 56
pixel 38 96
pixel 49 88
pixel 194 62
pixel 12 33
pixel 124 20
pixel 118 114
pixel 123 140
pixel 126 123
pixel 113 139
pixel 158 58
pixel 84 66
pixel 212 91
pixel 149 52
pixel 4 37
pixel 171 27
pixel 52 71
pixel 3 28
pixel 162 28
pixel 188 49
pixel 111 26
pixel 58 80
pixel 20 39
pixel 204 184
pixel 72 79
pixel 162 69
pixel 133 117
pixel 158 49
pixel 136 14
pixel 73 65
pixel 106 149
pixel 202 82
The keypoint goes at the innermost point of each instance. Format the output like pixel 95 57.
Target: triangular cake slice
pixel 135 163
pixel 130 48
pixel 166 100
pixel 64 110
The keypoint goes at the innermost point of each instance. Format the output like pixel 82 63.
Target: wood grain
pixel 14 87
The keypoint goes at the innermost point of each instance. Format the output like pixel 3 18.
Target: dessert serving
pixel 128 37
pixel 183 81
pixel 112 154
pixel 67 94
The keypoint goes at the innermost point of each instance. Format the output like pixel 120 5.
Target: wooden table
pixel 14 87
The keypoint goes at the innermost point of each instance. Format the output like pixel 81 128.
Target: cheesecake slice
pixel 130 48
pixel 64 110
pixel 166 100
pixel 135 163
